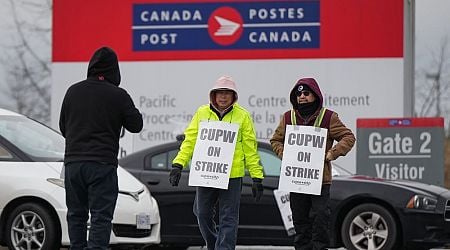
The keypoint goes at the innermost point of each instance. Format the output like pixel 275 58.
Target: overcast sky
pixel 432 25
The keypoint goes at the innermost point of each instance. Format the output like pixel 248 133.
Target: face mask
pixel 307 109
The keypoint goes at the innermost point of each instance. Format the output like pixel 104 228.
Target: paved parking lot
pixel 280 248
pixel 255 248
pixel 237 248
pixel 252 248
pixel 277 248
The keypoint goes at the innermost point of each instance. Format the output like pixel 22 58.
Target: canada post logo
pixel 213 26
pixel 225 26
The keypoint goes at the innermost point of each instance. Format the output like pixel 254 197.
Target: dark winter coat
pixel 94 111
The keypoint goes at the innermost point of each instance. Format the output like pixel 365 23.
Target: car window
pixel 162 161
pixel 36 140
pixel 270 162
pixel 171 155
pixel 159 161
pixel 5 154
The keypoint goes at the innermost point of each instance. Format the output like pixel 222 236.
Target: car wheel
pixel 30 226
pixel 369 227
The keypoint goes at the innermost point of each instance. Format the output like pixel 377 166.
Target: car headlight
pixel 422 202
pixel 57 181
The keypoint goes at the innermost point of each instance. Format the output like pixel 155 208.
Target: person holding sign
pixel 221 141
pixel 311 213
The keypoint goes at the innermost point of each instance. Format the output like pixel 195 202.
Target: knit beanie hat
pixel 303 87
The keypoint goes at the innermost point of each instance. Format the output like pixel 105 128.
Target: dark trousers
pixel 91 187
pixel 228 201
pixel 311 216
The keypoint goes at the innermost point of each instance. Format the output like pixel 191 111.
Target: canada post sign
pixel 237 25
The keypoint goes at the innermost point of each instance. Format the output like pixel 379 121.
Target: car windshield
pixel 36 140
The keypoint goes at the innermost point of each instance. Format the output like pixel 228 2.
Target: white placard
pixel 213 154
pixel 303 159
pixel 284 205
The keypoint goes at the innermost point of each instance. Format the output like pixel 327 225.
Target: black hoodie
pixel 94 111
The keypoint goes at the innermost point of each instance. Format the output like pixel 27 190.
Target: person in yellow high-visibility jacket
pixel 223 107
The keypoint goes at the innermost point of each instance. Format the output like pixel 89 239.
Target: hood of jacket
pixel 223 83
pixel 312 84
pixel 104 65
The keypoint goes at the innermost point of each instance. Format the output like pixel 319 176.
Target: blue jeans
pixel 311 216
pixel 90 187
pixel 228 201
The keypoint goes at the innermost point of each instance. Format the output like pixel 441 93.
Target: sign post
pixel 283 202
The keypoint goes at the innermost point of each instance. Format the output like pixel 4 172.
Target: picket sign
pixel 303 159
pixel 284 205
pixel 213 154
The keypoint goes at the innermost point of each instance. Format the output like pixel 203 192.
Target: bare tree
pixel 432 85
pixel 27 60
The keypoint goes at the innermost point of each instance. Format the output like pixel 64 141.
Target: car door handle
pixel 153 182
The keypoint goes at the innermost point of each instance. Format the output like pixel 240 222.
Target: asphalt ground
pixel 280 248
pixel 254 248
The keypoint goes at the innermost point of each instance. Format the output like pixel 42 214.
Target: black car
pixel 367 213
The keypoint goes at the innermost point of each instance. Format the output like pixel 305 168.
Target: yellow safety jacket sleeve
pixel 250 149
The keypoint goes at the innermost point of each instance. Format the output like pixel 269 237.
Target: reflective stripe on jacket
pixel 245 155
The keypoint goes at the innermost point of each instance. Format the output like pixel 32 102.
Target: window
pixel 162 161
pixel 270 162
pixel 159 161
pixel 171 155
pixel 36 140
pixel 4 154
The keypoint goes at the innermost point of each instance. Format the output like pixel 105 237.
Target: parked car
pixel 32 198
pixel 367 213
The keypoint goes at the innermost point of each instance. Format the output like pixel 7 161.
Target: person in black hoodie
pixel 92 115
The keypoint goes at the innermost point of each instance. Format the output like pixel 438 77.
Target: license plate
pixel 143 221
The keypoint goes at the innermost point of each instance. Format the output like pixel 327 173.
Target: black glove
pixel 257 189
pixel 175 174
